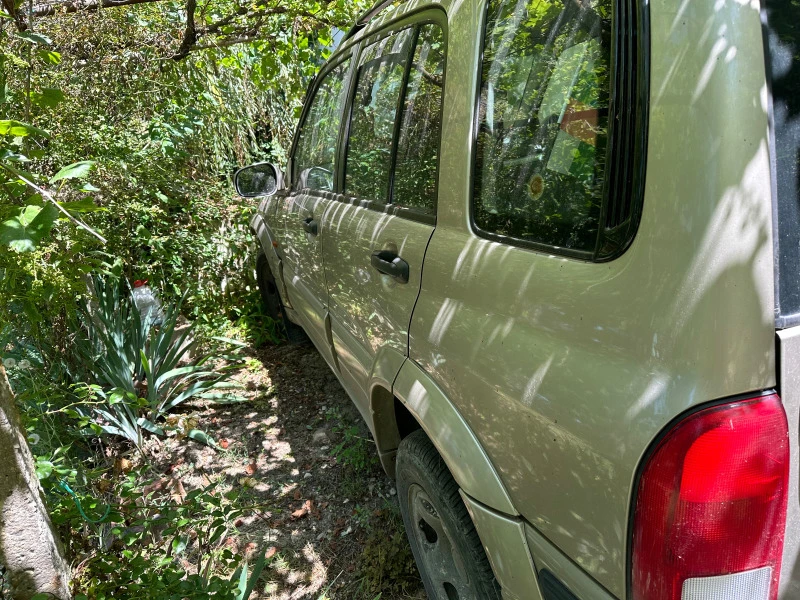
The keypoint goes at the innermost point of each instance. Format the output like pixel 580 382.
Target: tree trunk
pixel 29 548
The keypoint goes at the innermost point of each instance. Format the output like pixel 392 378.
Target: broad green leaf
pixel 50 56
pixel 24 232
pixel 86 205
pixel 149 426
pixel 34 38
pixel 44 468
pixel 48 97
pixel 242 583
pixel 179 544
pixel 20 129
pixel 202 437
pixel 77 170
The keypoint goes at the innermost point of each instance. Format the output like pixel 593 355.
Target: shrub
pixel 136 365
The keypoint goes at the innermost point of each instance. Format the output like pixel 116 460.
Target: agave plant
pixel 143 370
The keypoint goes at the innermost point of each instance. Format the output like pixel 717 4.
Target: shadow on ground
pixel 300 451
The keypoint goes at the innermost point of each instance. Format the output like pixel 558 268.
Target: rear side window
pixel 417 159
pixel 396 120
pixel 543 122
pixel 315 156
pixel 379 85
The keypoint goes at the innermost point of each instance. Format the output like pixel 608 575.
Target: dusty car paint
pixel 563 372
pixel 567 370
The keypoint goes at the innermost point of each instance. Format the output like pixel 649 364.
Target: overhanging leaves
pixel 20 129
pixel 22 233
pixel 78 170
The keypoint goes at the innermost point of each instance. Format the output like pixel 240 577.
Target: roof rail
pixel 367 16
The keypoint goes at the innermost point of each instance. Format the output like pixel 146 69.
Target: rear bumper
pixel 519 555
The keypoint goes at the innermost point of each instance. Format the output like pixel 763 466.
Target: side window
pixel 315 157
pixel 544 101
pixel 375 105
pixel 417 159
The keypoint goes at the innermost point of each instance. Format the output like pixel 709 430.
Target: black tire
pixel 272 300
pixel 446 547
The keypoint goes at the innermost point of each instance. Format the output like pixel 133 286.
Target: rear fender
pixel 452 436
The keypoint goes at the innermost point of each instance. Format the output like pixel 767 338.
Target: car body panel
pixel 506 547
pixel 303 271
pixel 543 380
pixel 568 370
pixel 451 434
pixel 268 226
pixel 369 310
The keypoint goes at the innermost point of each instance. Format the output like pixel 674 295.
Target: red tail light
pixel 712 502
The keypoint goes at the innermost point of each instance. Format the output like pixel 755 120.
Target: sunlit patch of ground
pixel 299 451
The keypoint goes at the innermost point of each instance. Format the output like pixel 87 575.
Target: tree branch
pixel 19 19
pixel 189 34
pixel 72 6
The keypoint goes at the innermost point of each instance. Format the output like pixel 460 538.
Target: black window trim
pixel 630 74
pixel 414 19
pixel 785 280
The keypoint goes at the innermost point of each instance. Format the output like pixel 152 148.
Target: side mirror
pixel 317 178
pixel 260 179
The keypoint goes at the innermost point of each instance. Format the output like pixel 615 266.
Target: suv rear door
pixel 376 236
pixel 313 170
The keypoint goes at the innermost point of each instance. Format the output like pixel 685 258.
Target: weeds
pixel 159 543
pixel 386 564
pixel 142 371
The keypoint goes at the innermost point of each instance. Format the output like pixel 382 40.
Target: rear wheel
pixel 446 547
pixel 272 300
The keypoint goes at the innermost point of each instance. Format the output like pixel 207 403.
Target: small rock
pixel 307 476
pixel 319 437
pixel 347 531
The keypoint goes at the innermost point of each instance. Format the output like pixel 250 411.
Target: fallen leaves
pixel 303 511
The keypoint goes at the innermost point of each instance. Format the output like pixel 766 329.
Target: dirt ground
pixel 299 448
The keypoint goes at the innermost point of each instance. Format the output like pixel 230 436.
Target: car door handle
pixel 389 263
pixel 310 226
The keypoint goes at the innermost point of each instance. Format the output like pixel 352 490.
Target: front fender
pixel 268 242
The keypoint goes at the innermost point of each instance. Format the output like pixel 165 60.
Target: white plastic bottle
pixel 147 302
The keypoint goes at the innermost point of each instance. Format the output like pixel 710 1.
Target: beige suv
pixel 551 249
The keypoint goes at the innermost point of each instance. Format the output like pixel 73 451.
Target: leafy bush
pixel 136 365
pixel 150 546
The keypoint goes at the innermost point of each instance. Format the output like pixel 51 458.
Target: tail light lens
pixel 711 506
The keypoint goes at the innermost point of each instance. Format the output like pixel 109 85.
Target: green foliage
pixel 136 365
pixel 116 159
pixel 354 451
pixel 386 564
pixel 156 548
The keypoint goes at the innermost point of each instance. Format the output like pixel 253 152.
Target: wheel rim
pixel 439 556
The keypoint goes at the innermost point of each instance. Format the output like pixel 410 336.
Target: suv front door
pixel 377 234
pixel 313 170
